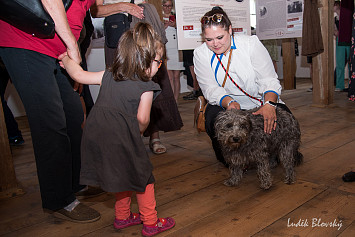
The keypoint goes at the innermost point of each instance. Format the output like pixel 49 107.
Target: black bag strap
pixel 67 4
pixel 129 15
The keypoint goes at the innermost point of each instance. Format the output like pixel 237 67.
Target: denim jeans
pixel 55 115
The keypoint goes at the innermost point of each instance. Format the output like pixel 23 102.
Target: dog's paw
pixel 289 181
pixel 290 178
pixel 230 182
pixel 265 186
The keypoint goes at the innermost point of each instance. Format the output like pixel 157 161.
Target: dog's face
pixel 233 127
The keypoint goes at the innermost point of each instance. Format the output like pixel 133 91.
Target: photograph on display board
pixel 279 19
pixel 262 11
pixel 189 13
pixel 294 6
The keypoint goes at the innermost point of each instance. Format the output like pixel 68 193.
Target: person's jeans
pixel 55 115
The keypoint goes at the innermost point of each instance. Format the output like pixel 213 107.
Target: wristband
pixel 273 104
pixel 231 102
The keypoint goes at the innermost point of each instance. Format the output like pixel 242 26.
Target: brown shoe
pixel 89 193
pixel 80 214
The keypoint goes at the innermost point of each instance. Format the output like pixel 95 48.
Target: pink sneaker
pixel 162 224
pixel 133 219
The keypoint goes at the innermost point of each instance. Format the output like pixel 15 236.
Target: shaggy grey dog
pixel 244 142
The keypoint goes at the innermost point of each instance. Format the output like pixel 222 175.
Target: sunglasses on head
pixel 159 62
pixel 215 18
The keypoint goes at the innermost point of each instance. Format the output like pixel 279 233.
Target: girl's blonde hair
pixel 135 53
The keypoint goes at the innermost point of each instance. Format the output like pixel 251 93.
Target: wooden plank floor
pixel 189 184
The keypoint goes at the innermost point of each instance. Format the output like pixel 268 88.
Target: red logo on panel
pixel 191 27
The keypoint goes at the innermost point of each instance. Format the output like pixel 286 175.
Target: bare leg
pixel 171 79
pixel 155 145
pixel 195 82
pixel 177 86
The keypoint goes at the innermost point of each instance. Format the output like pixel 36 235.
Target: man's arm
pixel 100 10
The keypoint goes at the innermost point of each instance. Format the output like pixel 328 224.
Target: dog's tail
pixel 298 158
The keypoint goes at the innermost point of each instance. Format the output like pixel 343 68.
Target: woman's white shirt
pixel 251 68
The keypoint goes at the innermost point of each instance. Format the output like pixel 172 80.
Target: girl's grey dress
pixel 113 154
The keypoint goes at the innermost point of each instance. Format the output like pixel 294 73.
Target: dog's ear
pixel 221 117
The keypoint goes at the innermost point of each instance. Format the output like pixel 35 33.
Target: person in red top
pixel 52 106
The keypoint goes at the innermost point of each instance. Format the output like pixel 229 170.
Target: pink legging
pixel 146 204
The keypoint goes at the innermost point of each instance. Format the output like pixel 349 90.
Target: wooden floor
pixel 189 184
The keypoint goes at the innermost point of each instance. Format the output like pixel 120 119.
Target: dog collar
pixel 273 104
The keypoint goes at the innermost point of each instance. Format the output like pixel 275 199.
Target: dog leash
pixel 229 62
pixel 236 83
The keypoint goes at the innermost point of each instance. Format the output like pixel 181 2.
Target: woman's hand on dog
pixel 233 105
pixel 269 114
pixel 229 103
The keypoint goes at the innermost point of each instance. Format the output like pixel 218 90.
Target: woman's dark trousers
pixel 55 115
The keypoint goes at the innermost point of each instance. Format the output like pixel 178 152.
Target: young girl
pixel 112 150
